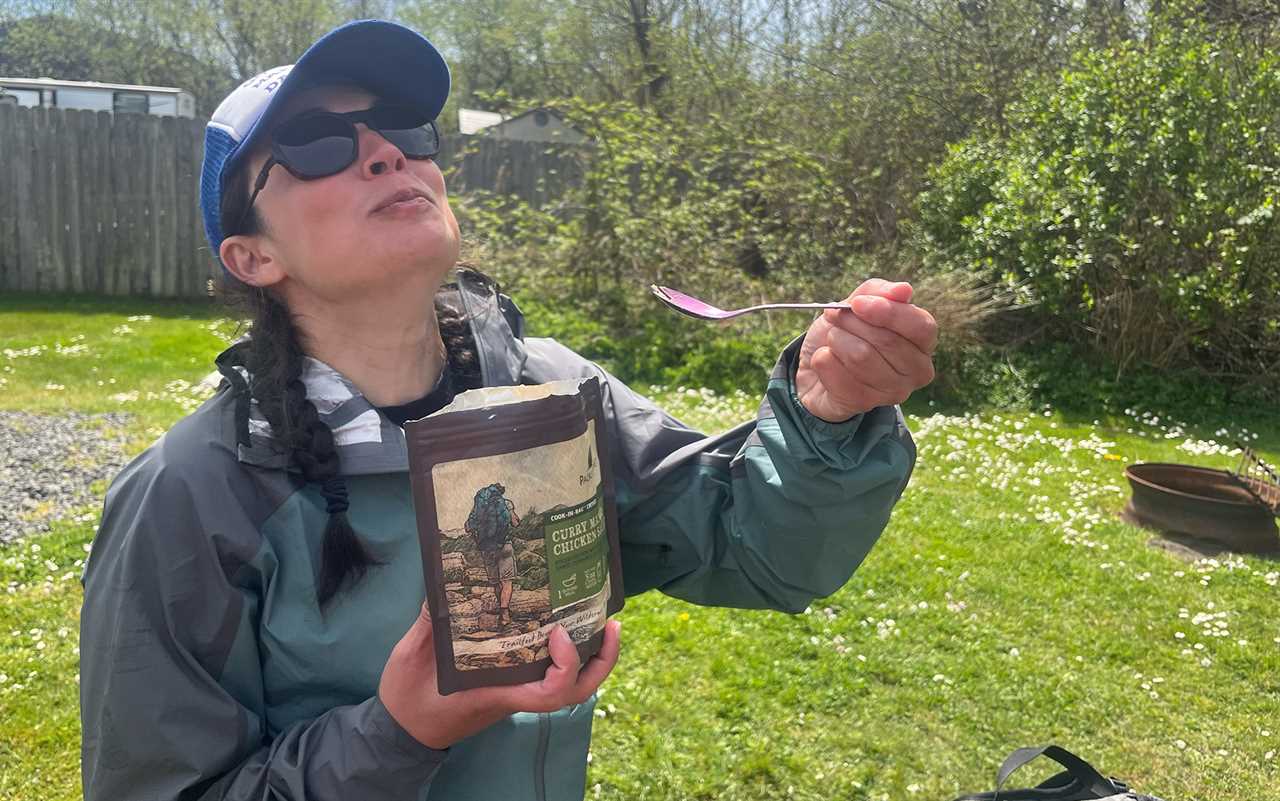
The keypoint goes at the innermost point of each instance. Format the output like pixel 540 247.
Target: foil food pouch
pixel 514 496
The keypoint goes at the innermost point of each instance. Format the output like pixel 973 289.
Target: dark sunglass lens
pixel 416 143
pixel 406 128
pixel 316 146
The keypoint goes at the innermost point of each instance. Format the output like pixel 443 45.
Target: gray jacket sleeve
pixel 773 513
pixel 171 693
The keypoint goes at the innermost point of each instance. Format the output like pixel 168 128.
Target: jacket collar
pixel 368 442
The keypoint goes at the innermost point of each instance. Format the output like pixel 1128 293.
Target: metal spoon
pixel 700 309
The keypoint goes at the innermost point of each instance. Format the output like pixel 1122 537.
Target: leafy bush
pixel 712 209
pixel 662 349
pixel 1077 382
pixel 1133 204
pixel 726 205
pixel 725 211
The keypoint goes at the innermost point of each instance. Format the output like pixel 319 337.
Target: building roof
pixel 544 110
pixel 472 121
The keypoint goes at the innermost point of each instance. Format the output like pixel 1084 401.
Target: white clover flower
pixel 23 353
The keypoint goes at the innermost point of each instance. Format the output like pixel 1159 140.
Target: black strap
pixel 1080 781
pixel 1082 771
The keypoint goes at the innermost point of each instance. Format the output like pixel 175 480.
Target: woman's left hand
pixel 875 354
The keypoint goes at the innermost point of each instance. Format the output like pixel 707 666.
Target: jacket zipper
pixel 540 761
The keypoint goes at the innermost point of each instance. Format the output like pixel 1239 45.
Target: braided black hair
pixel 274 358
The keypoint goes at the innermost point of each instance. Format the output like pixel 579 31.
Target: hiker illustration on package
pixel 514 496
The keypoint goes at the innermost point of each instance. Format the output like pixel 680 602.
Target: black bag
pixel 1079 782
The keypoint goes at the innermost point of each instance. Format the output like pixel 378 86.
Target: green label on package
pixel 577 552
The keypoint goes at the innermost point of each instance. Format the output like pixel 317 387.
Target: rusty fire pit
pixel 1218 506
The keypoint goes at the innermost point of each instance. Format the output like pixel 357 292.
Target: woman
pixel 253 624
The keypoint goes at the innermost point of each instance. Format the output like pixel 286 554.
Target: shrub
pixel 1133 204
pixel 662 349
pixel 721 210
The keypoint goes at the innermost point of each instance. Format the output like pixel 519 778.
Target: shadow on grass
pixel 61 303
pixel 1080 388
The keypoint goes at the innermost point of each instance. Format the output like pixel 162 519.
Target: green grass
pixel 1005 606
pixel 119 355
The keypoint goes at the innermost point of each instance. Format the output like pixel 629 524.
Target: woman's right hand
pixel 409 691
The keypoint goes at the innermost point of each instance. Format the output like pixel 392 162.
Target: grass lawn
pixel 1005 606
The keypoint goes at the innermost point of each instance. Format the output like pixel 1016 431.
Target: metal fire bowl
pixel 1200 503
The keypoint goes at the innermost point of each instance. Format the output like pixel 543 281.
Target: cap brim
pixel 391 61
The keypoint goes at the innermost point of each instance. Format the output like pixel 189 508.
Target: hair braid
pixel 276 362
pixel 460 345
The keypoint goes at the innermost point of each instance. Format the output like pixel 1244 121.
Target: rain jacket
pixel 208 672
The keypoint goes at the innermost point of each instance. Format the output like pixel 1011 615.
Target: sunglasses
pixel 318 144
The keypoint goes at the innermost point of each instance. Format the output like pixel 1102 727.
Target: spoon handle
pixel 796 306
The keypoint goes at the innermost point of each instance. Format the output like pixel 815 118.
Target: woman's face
pixel 342 237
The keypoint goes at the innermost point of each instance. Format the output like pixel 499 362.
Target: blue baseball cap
pixel 387 59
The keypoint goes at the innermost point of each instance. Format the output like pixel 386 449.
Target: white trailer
pixel 120 98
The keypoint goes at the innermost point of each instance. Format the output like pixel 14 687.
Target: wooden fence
pixel 102 203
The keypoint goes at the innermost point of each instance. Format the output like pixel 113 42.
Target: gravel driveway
pixel 47 464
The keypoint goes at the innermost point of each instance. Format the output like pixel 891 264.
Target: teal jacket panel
pixel 208 672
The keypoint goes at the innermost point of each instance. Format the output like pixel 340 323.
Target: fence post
pixel 8 200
